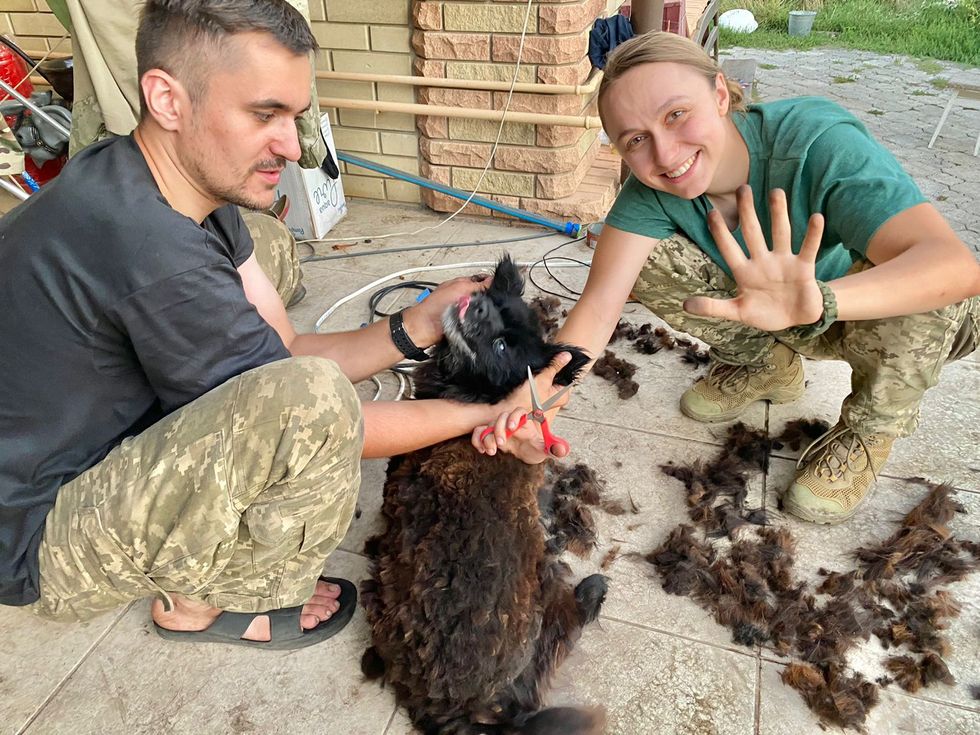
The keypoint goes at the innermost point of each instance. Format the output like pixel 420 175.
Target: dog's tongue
pixel 464 304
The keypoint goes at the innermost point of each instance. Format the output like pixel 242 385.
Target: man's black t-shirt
pixel 115 309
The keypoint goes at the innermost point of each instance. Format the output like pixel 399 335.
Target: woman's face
pixel 670 125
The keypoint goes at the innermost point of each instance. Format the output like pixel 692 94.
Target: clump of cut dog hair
pixel 894 593
pixel 650 340
pixel 800 433
pixel 568 490
pixel 550 314
pixel 470 609
pixel 619 372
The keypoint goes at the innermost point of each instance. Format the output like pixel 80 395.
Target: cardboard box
pixel 316 202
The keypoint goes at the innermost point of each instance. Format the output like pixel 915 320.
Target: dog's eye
pixel 499 345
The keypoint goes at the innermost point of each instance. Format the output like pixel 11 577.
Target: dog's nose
pixel 479 308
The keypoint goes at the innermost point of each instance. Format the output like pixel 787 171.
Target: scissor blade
pixel 535 398
pixel 551 401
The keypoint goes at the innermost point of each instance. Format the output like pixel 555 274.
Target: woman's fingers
pixel 782 237
pixel 811 241
pixel 727 245
pixel 752 233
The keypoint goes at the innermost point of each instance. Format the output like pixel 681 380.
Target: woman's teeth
pixel 682 169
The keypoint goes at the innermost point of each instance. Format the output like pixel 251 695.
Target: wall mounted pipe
pixel 567 228
pixel 534 118
pixel 483 84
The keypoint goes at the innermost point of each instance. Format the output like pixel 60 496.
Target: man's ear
pixel 166 99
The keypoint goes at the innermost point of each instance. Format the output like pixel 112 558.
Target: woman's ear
pixel 722 96
pixel 165 97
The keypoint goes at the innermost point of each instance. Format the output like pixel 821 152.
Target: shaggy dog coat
pixel 469 611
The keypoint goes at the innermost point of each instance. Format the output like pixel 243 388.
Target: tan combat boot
pixel 727 390
pixel 836 474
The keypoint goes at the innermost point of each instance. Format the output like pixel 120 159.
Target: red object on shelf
pixel 13 71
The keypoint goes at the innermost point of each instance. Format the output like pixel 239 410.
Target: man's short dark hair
pixel 184 37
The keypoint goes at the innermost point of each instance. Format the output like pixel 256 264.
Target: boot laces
pixel 838 452
pixel 731 379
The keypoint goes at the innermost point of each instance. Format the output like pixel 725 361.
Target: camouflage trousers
pixel 894 361
pixel 275 250
pixel 235 499
pixel 107 100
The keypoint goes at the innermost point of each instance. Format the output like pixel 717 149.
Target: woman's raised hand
pixel 777 289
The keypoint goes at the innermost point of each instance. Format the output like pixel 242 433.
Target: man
pixel 166 431
pixel 107 103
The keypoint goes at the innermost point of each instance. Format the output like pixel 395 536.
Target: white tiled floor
pixel 657 663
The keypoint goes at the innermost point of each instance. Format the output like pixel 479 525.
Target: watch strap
pixel 404 343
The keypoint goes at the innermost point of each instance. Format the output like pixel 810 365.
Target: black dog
pixel 470 613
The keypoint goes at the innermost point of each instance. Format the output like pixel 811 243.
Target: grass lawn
pixel 938 29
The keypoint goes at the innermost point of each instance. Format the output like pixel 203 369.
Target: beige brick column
pixel 555 170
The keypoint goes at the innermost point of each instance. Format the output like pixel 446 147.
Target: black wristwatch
pixel 401 339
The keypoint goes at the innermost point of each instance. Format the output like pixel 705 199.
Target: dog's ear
pixel 570 373
pixel 507 278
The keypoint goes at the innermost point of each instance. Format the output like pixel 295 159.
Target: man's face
pixel 242 130
pixel 668 123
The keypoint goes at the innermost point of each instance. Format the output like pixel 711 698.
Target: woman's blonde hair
pixel 658 46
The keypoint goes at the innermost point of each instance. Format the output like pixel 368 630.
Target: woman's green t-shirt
pixel 820 155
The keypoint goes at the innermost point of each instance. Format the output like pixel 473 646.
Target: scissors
pixel 537 413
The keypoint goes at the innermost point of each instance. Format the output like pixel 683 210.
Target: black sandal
pixel 285 629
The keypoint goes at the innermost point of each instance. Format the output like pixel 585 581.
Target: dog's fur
pixel 470 612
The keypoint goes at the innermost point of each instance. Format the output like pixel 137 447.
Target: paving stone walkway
pixel 900 100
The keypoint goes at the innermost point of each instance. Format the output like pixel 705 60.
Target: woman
pixel 858 266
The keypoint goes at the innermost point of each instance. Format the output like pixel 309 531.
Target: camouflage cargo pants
pixel 107 98
pixel 235 499
pixel 275 250
pixel 894 361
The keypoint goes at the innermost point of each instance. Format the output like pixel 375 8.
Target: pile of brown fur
pixel 619 372
pixel 894 593
pixel 550 314
pixel 650 340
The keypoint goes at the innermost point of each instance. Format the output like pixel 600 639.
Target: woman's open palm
pixel 777 289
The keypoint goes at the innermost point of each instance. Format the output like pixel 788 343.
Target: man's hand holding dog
pixel 526 443
pixel 423 322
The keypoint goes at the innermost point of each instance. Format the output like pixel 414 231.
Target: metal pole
pixel 645 15
pixel 15 190
pixel 35 109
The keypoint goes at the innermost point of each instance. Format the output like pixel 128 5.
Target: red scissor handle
pixel 550 440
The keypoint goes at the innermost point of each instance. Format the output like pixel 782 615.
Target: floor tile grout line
pixel 669 634
pixel 930 700
pixel 898 691
pixel 758 695
pixel 71 672
pixel 391 719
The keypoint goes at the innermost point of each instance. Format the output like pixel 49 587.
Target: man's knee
pixel 312 392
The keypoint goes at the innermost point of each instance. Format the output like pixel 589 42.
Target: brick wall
pixel 560 171
pixel 32 26
pixel 369 36
pixel 372 35
pixel 549 169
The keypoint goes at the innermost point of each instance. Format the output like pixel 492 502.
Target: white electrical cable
pixel 448 266
pixel 483 174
